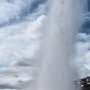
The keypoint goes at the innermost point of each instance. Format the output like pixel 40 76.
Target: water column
pixel 57 69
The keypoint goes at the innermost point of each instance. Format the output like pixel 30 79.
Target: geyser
pixel 57 70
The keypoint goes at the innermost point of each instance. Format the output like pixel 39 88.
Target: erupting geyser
pixel 57 71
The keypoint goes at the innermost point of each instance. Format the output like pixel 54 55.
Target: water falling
pixel 57 71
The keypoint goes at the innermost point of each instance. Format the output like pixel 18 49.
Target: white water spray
pixel 57 71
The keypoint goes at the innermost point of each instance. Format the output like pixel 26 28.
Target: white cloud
pixel 18 46
pixel 11 10
pixel 19 41
pixel 83 54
